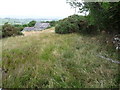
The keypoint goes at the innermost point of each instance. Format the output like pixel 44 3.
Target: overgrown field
pixel 50 60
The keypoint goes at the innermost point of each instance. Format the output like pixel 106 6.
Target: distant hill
pixel 23 21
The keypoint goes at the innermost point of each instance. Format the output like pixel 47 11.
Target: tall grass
pixel 49 60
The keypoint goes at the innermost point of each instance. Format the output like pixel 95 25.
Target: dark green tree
pixel 25 25
pixel 31 24
pixel 104 15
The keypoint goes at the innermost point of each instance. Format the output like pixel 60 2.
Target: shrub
pixel 65 27
pixel 10 30
pixel 20 27
pixel 85 28
pixel 52 23
pixel 68 25
pixel 72 24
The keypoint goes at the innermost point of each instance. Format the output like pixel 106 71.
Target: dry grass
pixel 27 33
pixel 50 60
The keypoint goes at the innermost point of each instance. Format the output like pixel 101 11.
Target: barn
pixel 28 29
pixel 37 27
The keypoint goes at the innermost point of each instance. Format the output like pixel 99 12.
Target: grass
pixel 50 60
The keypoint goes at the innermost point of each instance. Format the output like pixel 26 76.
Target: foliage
pixel 53 23
pixel 75 4
pixel 66 27
pixel 10 30
pixel 31 24
pixel 114 16
pixel 104 15
pixel 72 24
pixel 25 25
pixel 20 27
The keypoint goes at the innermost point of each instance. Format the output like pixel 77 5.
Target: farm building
pixel 37 27
pixel 28 29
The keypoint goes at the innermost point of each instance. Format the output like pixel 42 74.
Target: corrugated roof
pixel 42 25
pixel 28 28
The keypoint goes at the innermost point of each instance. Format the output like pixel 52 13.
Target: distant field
pixel 13 21
pixel 50 60
pixel 23 21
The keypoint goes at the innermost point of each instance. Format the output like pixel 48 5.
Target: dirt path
pixel 50 30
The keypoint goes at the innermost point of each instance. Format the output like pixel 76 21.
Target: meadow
pixel 49 60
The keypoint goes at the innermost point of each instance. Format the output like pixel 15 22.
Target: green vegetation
pixel 74 23
pixel 50 60
pixel 68 25
pixel 20 27
pixel 53 23
pixel 9 30
pixel 32 23
pixel 104 15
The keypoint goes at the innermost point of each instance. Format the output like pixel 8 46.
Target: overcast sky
pixel 35 8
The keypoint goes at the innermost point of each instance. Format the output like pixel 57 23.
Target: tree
pixel 31 24
pixel 25 25
pixel 74 4
pixel 105 15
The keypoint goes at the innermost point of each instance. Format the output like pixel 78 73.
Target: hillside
pixel 50 60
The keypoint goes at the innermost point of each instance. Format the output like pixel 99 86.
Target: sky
pixel 35 9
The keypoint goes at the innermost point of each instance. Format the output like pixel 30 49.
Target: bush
pixel 9 30
pixel 52 23
pixel 20 27
pixel 68 25
pixel 72 24
pixel 85 28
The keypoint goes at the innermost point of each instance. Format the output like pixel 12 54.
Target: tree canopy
pixel 32 23
pixel 105 15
